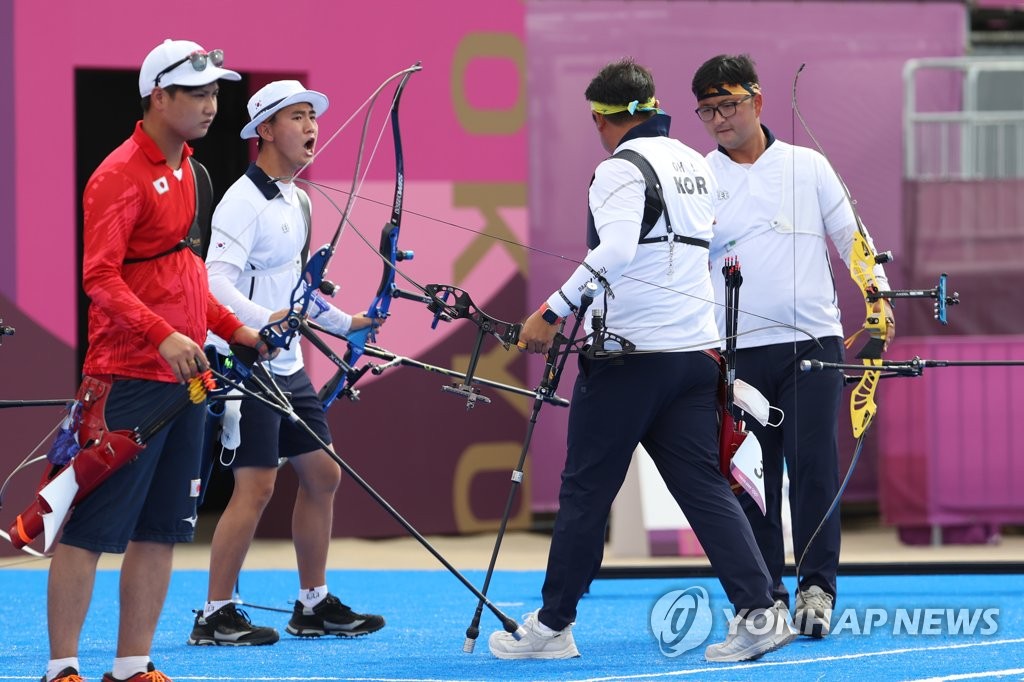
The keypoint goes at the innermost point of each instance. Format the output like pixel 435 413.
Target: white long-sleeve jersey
pixel 775 215
pixel 663 300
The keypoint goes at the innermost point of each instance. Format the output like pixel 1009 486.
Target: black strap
pixel 654 206
pixel 174 249
pixel 679 239
pixel 308 217
pixel 198 236
pixel 654 199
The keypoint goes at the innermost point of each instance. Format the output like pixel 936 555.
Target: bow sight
pixel 942 300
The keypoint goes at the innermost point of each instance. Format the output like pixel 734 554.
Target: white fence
pixel 963 118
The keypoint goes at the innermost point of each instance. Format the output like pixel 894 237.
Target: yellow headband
pixel 632 107
pixel 722 89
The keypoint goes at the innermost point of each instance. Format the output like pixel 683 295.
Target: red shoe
pixel 151 675
pixel 66 675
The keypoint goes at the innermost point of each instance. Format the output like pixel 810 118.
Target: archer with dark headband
pixel 777 207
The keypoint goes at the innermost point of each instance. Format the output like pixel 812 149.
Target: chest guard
pixel 654 206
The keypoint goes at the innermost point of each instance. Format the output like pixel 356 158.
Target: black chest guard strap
pixel 654 206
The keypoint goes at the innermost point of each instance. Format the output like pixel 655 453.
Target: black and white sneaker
pixel 331 617
pixel 228 626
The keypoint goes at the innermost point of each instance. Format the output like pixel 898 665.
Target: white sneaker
pixel 539 641
pixel 813 612
pixel 753 636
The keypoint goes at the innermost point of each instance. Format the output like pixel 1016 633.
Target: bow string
pixel 279 333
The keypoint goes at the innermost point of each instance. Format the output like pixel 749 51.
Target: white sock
pixel 213 606
pixel 126 666
pixel 58 664
pixel 543 629
pixel 313 596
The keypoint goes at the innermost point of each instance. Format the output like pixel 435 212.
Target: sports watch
pixel 549 315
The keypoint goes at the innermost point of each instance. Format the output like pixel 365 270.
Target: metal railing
pixel 970 125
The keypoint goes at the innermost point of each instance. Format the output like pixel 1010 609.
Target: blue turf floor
pixel 428 612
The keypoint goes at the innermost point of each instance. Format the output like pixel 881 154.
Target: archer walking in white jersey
pixel 776 207
pixel 651 220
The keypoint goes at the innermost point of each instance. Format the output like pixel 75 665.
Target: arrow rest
pixel 5 331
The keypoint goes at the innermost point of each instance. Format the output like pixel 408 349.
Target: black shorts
pixel 267 435
pixel 153 498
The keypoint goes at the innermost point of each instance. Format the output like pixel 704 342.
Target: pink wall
pixel 850 93
pixel 959 464
pixel 463 125
pixel 974 231
pixel 346 49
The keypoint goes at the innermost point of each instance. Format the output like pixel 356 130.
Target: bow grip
pixel 278 339
pixel 512 334
pixel 330 391
pixel 246 356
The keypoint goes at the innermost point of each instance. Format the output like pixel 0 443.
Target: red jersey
pixel 136 206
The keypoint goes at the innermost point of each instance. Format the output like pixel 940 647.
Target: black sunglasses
pixel 199 59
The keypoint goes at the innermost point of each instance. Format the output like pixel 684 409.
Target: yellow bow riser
pixel 862 269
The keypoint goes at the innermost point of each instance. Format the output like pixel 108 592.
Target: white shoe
pixel 539 641
pixel 753 636
pixel 813 612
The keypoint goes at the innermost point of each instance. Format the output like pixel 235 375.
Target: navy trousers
pixel 808 442
pixel 667 402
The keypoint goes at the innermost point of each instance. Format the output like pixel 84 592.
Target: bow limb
pixel 390 254
pixel 380 306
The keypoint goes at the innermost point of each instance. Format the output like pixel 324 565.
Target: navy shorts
pixel 153 498
pixel 267 435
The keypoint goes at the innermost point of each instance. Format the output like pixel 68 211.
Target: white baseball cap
pixel 275 96
pixel 181 62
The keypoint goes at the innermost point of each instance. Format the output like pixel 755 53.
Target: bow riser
pixel 279 334
pixel 863 259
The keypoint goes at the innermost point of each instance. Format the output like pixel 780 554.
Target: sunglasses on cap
pixel 199 59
